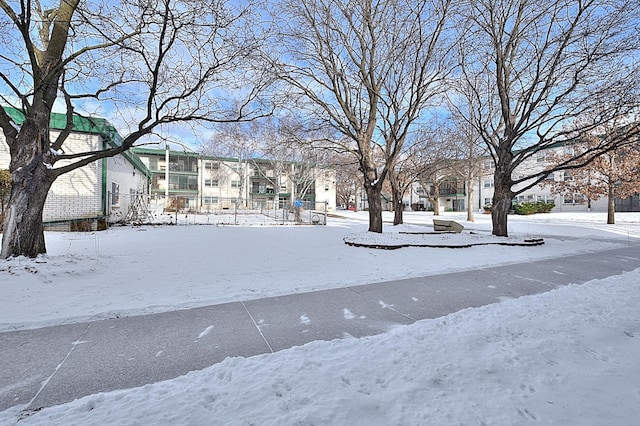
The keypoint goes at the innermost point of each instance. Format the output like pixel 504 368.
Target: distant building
pixel 191 181
pixel 453 191
pixel 541 192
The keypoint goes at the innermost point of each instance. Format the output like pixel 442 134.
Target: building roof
pixel 161 152
pixel 82 124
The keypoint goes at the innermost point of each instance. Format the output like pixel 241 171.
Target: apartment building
pixel 192 181
pixel 453 191
pixel 452 195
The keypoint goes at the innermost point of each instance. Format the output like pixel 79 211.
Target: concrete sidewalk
pixel 53 365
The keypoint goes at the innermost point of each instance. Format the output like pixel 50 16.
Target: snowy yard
pixel 565 357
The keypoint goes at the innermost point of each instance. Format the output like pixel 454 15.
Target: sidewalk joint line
pixel 400 313
pixel 257 326
pixel 46 382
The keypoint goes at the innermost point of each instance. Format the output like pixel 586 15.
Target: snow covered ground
pixel 565 357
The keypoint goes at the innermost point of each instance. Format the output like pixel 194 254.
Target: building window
pixel 235 184
pixel 153 162
pixel 550 176
pixel 210 200
pixel 573 199
pixel 541 157
pixel 212 165
pixel 488 184
pixel 211 183
pixel 180 182
pixel 115 194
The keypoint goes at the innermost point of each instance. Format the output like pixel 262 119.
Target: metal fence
pixel 303 212
pixel 75 213
pixel 227 210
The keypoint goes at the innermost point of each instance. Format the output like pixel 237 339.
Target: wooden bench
pixel 447 226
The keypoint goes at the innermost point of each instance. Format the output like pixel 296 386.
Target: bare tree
pixel 530 68
pixel 159 62
pixel 348 179
pixel 241 143
pixel 429 159
pixel 290 145
pixel 414 165
pixel 416 78
pixel 401 177
pixel 367 69
pixel 430 179
pixel 468 155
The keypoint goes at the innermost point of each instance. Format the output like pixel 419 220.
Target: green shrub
pixel 533 207
pixel 546 207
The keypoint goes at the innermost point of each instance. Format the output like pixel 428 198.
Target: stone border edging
pixel 527 242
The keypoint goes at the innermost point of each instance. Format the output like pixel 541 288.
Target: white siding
pixel 5 158
pixel 129 180
pixel 326 188
pixel 78 194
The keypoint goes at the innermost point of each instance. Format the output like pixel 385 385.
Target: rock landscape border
pixel 526 242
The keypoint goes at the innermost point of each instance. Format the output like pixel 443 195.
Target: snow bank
pixel 564 357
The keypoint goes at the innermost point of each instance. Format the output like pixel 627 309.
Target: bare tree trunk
pixel 398 208
pixel 502 197
pixel 375 208
pixel 396 195
pixel 469 202
pixel 436 200
pixel 611 205
pixel 23 233
pixel 31 179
